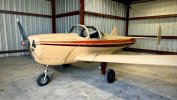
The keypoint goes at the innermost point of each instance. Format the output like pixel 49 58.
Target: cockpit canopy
pixel 86 32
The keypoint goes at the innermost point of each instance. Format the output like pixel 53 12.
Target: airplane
pixel 87 44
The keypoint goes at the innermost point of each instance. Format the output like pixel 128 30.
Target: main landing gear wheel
pixel 110 76
pixel 42 80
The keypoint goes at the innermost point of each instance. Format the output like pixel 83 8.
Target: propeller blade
pixel 22 31
pixel 25 41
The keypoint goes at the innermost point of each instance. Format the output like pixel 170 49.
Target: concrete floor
pixel 83 81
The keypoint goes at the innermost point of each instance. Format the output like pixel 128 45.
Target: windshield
pixel 82 31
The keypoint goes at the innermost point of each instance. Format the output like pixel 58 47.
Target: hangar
pixel 142 20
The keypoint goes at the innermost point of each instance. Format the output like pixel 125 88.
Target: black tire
pixel 40 80
pixel 66 65
pixel 110 76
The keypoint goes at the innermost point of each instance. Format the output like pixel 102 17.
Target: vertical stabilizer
pixel 114 31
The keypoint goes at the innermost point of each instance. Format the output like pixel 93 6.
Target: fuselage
pixel 58 49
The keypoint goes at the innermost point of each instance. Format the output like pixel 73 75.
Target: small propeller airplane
pixel 88 44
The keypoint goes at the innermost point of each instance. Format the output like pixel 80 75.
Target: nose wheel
pixel 109 74
pixel 43 79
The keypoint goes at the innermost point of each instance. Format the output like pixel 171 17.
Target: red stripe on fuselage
pixel 90 42
pixel 90 45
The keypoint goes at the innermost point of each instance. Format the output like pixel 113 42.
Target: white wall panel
pixel 105 24
pixel 152 8
pixel 150 26
pixel 65 23
pixel 10 37
pixel 64 6
pixel 105 7
pixel 30 6
pixel 151 44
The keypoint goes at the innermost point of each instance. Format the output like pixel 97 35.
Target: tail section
pixel 114 31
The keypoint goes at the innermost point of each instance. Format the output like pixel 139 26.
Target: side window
pixel 83 33
pixel 93 33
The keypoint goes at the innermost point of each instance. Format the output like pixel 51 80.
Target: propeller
pixel 25 41
pixel 159 35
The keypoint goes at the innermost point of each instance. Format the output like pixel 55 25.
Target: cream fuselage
pixel 58 49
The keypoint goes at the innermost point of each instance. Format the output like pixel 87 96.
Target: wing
pixel 168 60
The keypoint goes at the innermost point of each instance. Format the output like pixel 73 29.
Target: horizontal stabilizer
pixel 158 39
pixel 159 35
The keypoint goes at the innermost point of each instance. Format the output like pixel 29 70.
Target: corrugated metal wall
pixel 105 24
pixel 65 23
pixel 151 8
pixel 30 6
pixel 105 7
pixel 9 34
pixel 99 6
pixel 65 6
pixel 151 26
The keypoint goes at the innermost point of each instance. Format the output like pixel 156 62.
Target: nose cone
pixel 25 43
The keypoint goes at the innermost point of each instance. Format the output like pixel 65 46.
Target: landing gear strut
pixel 109 74
pixel 43 79
pixel 103 68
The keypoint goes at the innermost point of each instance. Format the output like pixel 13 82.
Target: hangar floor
pixel 83 81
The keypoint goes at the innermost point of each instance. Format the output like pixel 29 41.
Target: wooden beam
pixel 127 20
pixel 24 13
pixel 163 37
pixel 154 17
pixel 53 7
pixel 104 15
pixel 68 14
pixel 14 51
pixel 82 12
pixel 150 51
